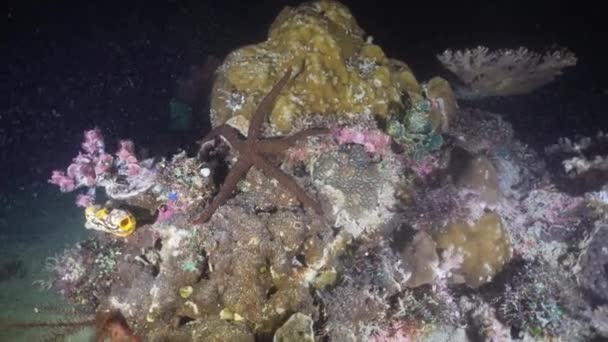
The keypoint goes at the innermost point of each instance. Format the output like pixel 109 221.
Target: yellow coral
pixel 485 246
pixel 444 102
pixel 480 175
pixel 340 74
pixel 114 221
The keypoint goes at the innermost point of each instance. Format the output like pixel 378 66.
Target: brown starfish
pixel 254 150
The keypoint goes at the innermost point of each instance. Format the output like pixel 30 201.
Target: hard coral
pixel 486 247
pixel 533 300
pixel 256 274
pixel 343 77
pixel 359 188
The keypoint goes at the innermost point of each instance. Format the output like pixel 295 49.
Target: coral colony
pixel 94 167
pixel 404 217
pixel 374 141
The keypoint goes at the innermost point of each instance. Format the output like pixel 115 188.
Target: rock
pixel 298 328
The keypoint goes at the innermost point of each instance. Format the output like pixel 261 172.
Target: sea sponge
pixel 485 246
pixel 340 75
pixel 297 328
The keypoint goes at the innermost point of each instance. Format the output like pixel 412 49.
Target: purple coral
pixel 425 166
pixel 90 164
pixel 65 183
pixel 374 141
pixel 84 200
pixel 126 157
pixel 93 142
pixel 166 211
pixel 93 165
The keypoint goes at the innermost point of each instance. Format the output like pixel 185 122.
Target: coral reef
pixel 532 301
pixel 181 183
pixel 592 273
pixel 254 151
pixel 579 165
pixel 239 268
pixel 359 189
pixel 139 192
pixel 297 328
pixel 342 76
pixel 480 176
pixel 440 93
pixel 426 218
pixel 485 245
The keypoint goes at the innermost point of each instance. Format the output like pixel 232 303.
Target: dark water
pixel 73 65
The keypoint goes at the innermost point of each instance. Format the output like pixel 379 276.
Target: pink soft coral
pixel 126 156
pixel 65 183
pixel 93 165
pixel 93 141
pixel 373 140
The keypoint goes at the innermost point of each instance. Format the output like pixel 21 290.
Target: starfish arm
pixel 292 139
pixel 265 107
pixel 228 133
pixel 236 173
pixel 279 145
pixel 286 181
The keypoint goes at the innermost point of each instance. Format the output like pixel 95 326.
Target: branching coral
pixel 532 301
pixel 584 153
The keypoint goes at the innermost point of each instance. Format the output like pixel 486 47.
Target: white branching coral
pixel 503 72
pixel 582 161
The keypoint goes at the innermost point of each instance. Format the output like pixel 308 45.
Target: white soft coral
pixel 503 72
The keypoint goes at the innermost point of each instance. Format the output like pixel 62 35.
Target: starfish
pixel 255 150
